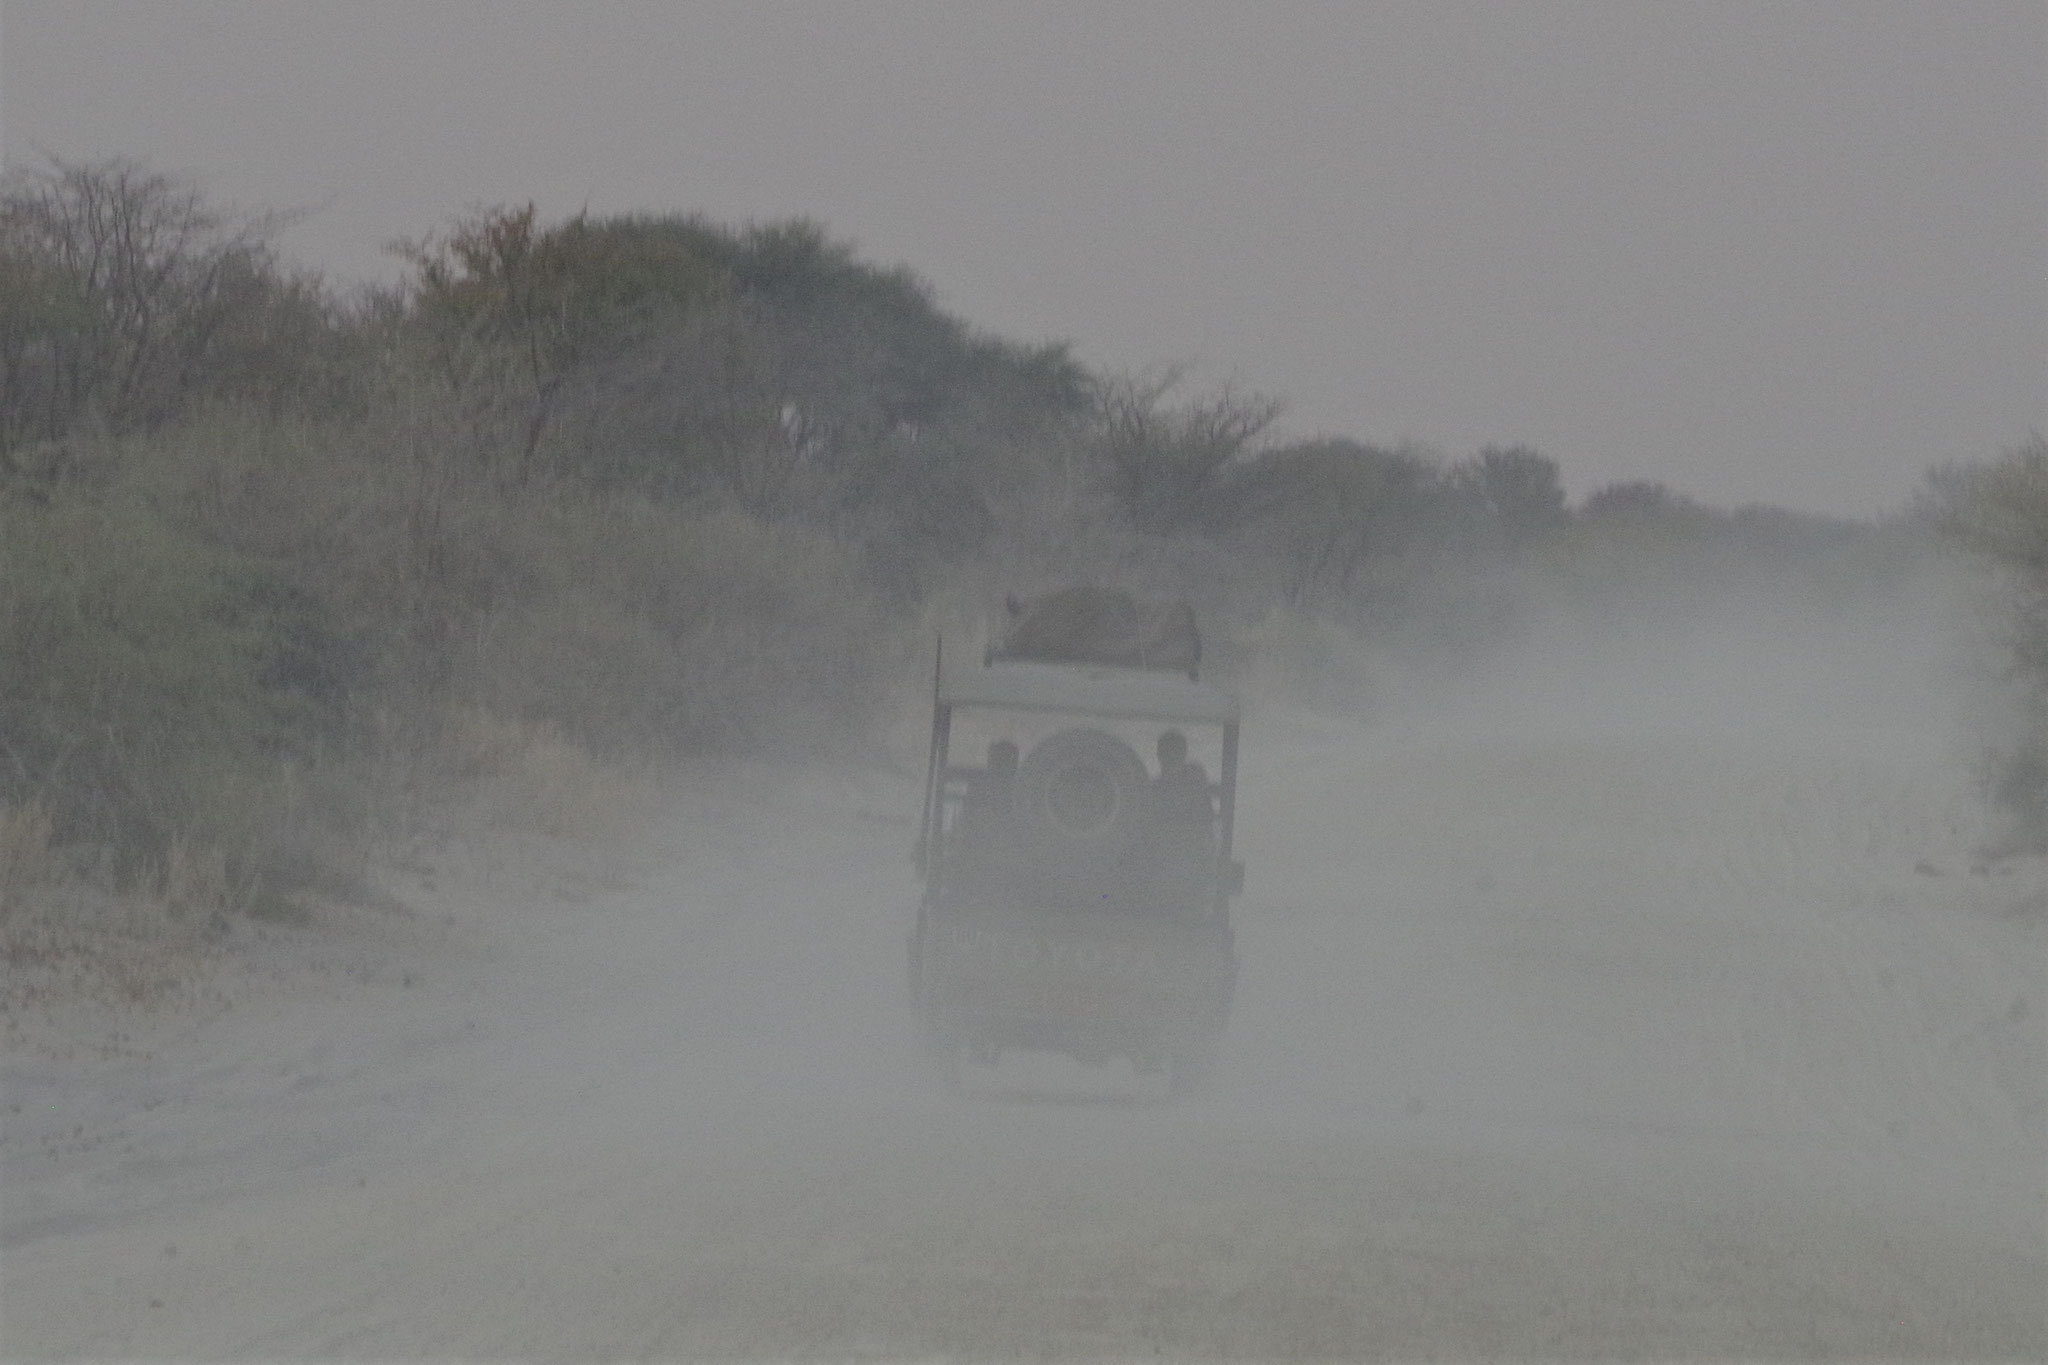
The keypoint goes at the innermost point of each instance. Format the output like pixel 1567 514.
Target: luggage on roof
pixel 1091 625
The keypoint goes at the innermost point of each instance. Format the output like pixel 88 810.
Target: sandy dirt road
pixel 1574 1043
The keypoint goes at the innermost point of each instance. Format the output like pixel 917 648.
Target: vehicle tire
pixel 1082 801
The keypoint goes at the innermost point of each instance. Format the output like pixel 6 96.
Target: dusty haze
pixel 1635 998
pixel 462 761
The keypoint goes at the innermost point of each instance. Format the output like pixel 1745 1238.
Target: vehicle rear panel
pixel 1091 981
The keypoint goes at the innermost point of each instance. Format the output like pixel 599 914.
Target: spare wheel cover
pixel 1082 795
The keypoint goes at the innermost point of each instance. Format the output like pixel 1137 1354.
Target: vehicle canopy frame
pixel 1095 691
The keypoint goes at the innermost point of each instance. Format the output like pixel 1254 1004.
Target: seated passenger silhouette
pixel 1180 794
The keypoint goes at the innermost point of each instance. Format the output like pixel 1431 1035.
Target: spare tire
pixel 1082 800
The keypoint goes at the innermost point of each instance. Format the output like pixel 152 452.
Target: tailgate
pixel 1077 967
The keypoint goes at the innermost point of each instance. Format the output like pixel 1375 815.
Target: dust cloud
pixel 1635 994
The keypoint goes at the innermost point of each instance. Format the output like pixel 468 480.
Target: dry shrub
pixel 242 653
pixel 25 860
pixel 644 627
pixel 1998 514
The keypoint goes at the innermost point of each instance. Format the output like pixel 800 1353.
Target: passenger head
pixel 1002 757
pixel 1173 749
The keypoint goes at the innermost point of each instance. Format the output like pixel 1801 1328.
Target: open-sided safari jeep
pixel 1076 898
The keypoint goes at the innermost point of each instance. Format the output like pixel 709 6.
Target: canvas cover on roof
pixel 1093 625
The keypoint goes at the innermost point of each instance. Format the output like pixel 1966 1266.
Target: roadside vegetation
pixel 1995 513
pixel 287 572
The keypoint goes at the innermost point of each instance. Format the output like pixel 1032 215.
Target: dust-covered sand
pixel 1600 1015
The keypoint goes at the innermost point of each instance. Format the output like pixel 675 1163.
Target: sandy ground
pixel 1565 1041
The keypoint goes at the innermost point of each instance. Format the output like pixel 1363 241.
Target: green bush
pixel 146 675
pixel 267 644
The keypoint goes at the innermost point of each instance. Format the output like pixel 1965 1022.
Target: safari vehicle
pixel 1075 901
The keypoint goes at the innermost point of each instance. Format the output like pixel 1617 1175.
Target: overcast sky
pixel 1790 253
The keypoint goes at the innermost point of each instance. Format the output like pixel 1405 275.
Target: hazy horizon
pixel 1791 255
